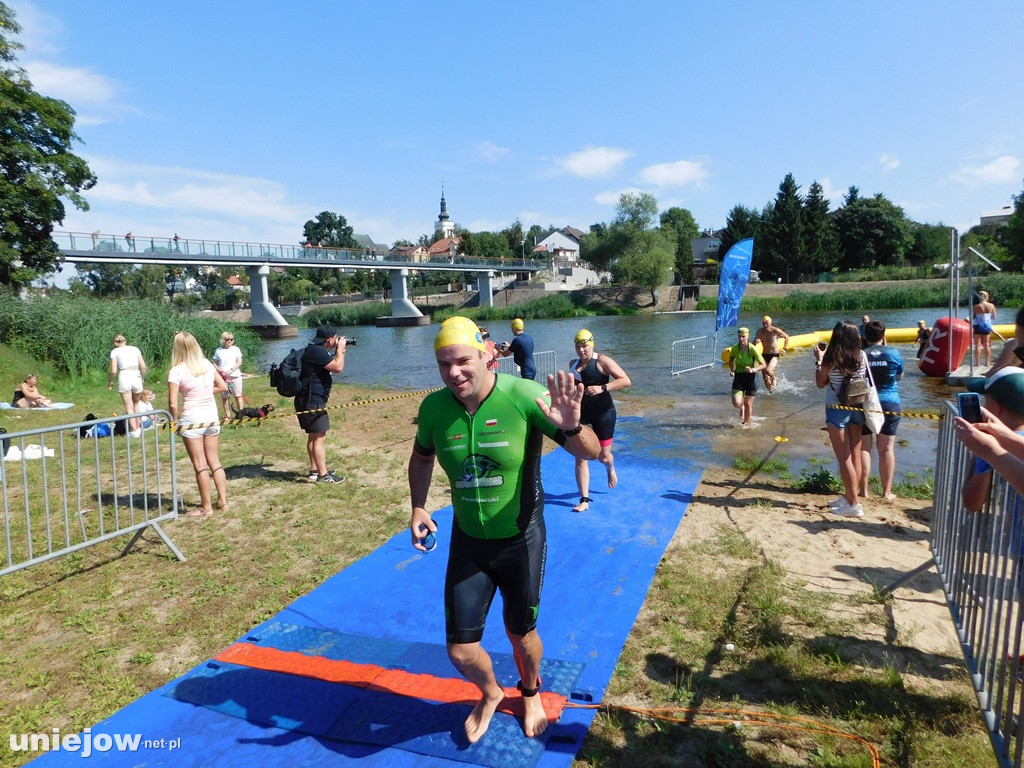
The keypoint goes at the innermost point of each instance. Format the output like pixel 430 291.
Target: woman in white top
pixel 197 381
pixel 843 357
pixel 228 359
pixel 127 363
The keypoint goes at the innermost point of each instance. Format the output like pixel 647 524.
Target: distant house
pixel 445 248
pixel 706 246
pixel 366 244
pixel 563 245
pixel 997 217
pixel 415 253
pixel 236 284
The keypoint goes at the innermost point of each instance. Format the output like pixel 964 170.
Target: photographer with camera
pixel 318 364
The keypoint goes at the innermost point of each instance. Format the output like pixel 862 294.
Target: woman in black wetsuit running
pixel 601 376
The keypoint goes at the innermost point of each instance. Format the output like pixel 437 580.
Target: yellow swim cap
pixel 744 331
pixel 459 330
pixel 585 336
pixel 767 319
pixel 518 324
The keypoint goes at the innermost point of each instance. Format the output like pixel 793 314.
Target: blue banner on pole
pixel 733 282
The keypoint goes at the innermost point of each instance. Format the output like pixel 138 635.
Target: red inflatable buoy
pixel 947 345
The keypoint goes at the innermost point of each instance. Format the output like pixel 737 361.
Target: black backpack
pixel 286 378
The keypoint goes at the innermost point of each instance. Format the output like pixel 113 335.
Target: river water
pixel 698 421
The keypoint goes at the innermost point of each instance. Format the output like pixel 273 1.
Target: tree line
pixel 798 237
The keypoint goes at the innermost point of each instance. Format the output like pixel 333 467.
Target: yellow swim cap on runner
pixel 518 324
pixel 585 336
pixel 459 330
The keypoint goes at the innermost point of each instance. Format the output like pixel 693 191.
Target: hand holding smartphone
pixel 969 404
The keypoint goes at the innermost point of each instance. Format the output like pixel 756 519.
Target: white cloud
pixel 1002 170
pixel 833 194
pixel 75 85
pixel 489 152
pixel 595 162
pixel 612 197
pixel 677 174
pixel 39 29
pixel 889 162
pixel 189 191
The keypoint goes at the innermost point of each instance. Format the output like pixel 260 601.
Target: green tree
pixel 931 244
pixel 782 238
pixel 821 248
pixel 1014 237
pixel 637 210
pixel 467 243
pixel 647 261
pixel 679 226
pixel 873 232
pixel 37 167
pixel 492 245
pixel 330 230
pixel 602 245
pixel 740 223
pixel 514 236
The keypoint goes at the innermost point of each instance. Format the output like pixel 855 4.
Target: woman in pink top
pixel 198 382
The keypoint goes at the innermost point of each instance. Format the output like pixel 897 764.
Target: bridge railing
pixel 71 486
pixel 107 245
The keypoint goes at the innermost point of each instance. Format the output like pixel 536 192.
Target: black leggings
pixel 479 567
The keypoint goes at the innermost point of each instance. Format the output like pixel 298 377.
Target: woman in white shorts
pixel 197 381
pixel 228 359
pixel 127 363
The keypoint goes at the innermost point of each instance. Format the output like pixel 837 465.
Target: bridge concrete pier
pixel 266 320
pixel 403 311
pixel 486 293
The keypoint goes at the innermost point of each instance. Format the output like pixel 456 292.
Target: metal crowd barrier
pixel 693 354
pixel 66 487
pixel 545 362
pixel 979 557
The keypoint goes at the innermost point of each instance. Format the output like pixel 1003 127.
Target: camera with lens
pixel 349 341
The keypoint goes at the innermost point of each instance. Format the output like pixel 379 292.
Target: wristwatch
pixel 573 432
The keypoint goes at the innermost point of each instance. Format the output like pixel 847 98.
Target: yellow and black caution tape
pixel 242 421
pixel 935 415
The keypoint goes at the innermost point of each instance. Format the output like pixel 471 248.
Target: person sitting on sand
pixel 29 396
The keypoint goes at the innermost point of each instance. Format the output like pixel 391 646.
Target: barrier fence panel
pixel 693 354
pixel 68 487
pixel 979 557
pixel 545 361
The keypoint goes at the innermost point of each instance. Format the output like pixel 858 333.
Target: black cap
pixel 325 332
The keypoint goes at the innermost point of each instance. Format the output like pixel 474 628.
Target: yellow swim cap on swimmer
pixel 744 331
pixel 585 336
pixel 459 330
pixel 518 324
pixel 767 319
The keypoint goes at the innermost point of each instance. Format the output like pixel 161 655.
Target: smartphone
pixel 969 404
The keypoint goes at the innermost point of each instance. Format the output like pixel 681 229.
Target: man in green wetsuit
pixel 744 363
pixel 486 430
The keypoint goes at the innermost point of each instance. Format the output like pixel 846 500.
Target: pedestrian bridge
pixel 258 258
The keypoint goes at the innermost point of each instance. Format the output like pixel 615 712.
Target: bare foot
pixel 479 719
pixel 890 496
pixel 584 504
pixel 223 506
pixel 199 512
pixel 535 721
pixel 613 479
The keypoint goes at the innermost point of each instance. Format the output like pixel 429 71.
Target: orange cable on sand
pixel 766 719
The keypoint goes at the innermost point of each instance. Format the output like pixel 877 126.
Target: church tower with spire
pixel 444 227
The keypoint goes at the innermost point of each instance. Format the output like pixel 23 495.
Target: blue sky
pixel 239 121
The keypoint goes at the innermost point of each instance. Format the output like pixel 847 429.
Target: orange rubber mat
pixel 372 677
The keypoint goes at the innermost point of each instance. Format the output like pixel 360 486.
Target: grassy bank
pixel 74 336
pixel 1007 291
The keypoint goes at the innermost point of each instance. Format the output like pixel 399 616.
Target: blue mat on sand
pixel 387 609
